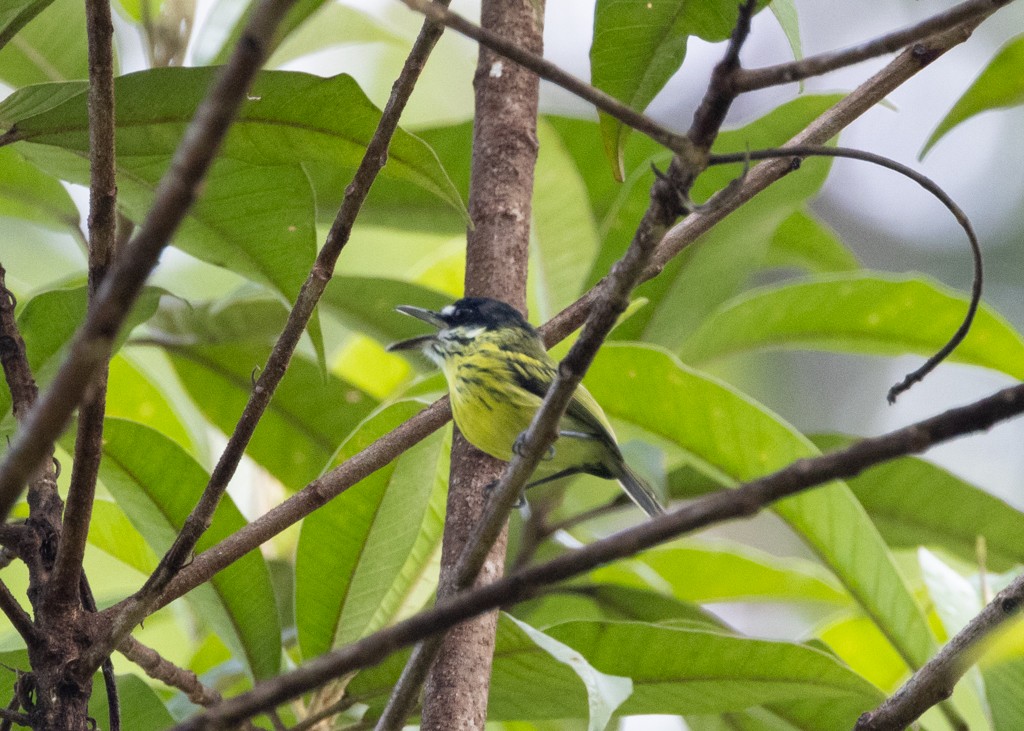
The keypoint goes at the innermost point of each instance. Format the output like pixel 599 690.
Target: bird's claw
pixel 518 447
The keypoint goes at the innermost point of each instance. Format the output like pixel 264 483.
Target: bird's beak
pixel 420 314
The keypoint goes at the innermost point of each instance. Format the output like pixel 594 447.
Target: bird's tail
pixel 639 491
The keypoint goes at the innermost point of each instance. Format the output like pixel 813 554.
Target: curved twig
pixel 925 182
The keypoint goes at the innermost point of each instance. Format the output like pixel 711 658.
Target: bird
pixel 498 372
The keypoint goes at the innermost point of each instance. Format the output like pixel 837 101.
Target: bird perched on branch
pixel 498 373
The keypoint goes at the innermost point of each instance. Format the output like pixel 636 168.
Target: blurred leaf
pixel 309 415
pixel 860 313
pixel 609 601
pixel 720 263
pixel 238 317
pixel 15 14
pixel 803 242
pixel 1002 689
pixel 719 572
pixel 332 25
pixel 289 118
pixel 50 47
pixel 112 532
pixel 30 194
pixel 909 498
pixel 157 484
pixel 295 17
pixel 132 395
pixel 1000 85
pixel 866 650
pixel 367 305
pixel 364 537
pixel 49 320
pixel 690 670
pixel 141 707
pixel 553 674
pixel 785 12
pixel 743 440
pixel 955 599
pixel 637 48
pixel 564 238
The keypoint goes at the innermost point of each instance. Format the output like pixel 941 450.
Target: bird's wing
pixel 583 408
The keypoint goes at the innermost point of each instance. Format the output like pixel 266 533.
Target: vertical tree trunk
pixel 504 155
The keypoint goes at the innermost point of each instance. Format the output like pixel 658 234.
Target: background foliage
pixel 803 622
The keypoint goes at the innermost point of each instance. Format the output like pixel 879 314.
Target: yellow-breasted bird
pixel 498 372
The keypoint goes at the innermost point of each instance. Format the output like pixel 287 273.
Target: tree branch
pixel 62 588
pixel 159 668
pixel 128 613
pixel 741 502
pixel 550 72
pixel 90 348
pixel 18 617
pixel 783 73
pixel 933 683
pixel 20 382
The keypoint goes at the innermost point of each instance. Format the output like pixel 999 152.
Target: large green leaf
pixel 638 46
pixel 157 484
pixel 742 440
pixel 688 670
pixel 697 572
pixel 141 707
pixel 1000 85
pixel 363 539
pixel 309 415
pixel 288 118
pixel 564 238
pixel 860 313
pixel 49 320
pixel 50 47
pixel 28 193
pixel 535 676
pixel 1003 682
pixel 909 498
pixel 367 305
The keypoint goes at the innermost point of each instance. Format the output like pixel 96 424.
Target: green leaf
pixel 689 670
pixel 742 440
pixel 638 46
pixel 757 719
pixel 141 707
pixel 860 313
pixel 49 320
pixel 332 25
pixel 30 194
pixel 50 47
pixel 367 305
pixel 610 601
pixel 307 418
pixel 1002 689
pixel 721 262
pixel 999 86
pixel 719 572
pixel 364 537
pixel 785 13
pixel 803 242
pixel 532 670
pixel 564 238
pixel 132 394
pixel 298 14
pixel 16 14
pixel 288 118
pixel 156 484
pixel 955 599
pixel 909 498
pixel 112 532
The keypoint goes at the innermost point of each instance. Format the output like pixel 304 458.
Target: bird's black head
pixel 481 312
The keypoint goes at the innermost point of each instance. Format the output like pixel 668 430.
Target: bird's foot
pixel 518 447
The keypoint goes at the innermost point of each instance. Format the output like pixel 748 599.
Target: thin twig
pixel 9 716
pixel 90 348
pixel 742 502
pixel 783 73
pixel 13 359
pixel 18 617
pixel 323 714
pixel 159 668
pixel 934 682
pixel 63 585
pixel 550 72
pixel 798 151
pixel 127 614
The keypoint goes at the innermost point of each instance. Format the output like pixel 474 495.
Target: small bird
pixel 498 373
